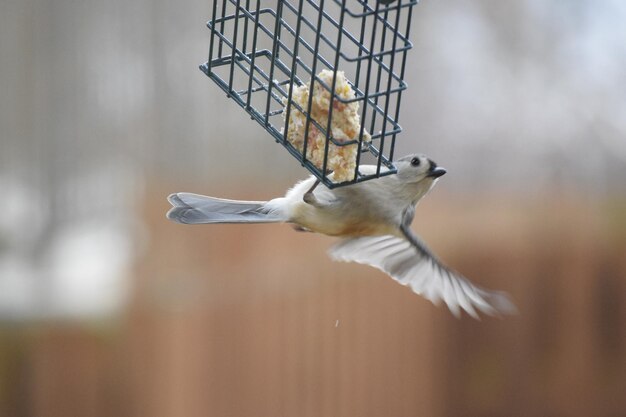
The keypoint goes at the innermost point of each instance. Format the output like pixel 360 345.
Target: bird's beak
pixel 436 172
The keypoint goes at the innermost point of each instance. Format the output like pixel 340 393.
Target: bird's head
pixel 416 175
pixel 418 168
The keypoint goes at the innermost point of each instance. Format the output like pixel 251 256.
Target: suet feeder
pixel 263 53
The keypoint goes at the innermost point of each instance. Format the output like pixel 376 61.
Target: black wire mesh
pixel 270 59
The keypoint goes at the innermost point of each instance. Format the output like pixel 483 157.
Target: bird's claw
pixel 310 198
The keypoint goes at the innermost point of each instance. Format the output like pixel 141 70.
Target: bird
pixel 373 221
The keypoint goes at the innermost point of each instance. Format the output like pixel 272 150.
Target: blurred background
pixel 107 309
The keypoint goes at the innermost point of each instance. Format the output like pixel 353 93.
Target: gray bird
pixel 373 218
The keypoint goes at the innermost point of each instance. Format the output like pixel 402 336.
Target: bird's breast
pixel 339 221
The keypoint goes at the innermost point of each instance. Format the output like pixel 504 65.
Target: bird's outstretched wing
pixel 411 263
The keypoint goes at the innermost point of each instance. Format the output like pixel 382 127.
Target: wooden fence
pixel 255 320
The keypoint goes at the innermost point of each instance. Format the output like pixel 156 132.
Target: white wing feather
pixel 418 269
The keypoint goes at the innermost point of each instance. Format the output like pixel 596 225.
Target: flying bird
pixel 373 219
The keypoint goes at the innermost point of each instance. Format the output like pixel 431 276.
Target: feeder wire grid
pixel 275 63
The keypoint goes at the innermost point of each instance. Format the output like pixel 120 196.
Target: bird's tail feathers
pixel 191 208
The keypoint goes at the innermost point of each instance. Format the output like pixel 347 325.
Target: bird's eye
pixel 415 162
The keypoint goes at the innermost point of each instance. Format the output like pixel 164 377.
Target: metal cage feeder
pixel 262 57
